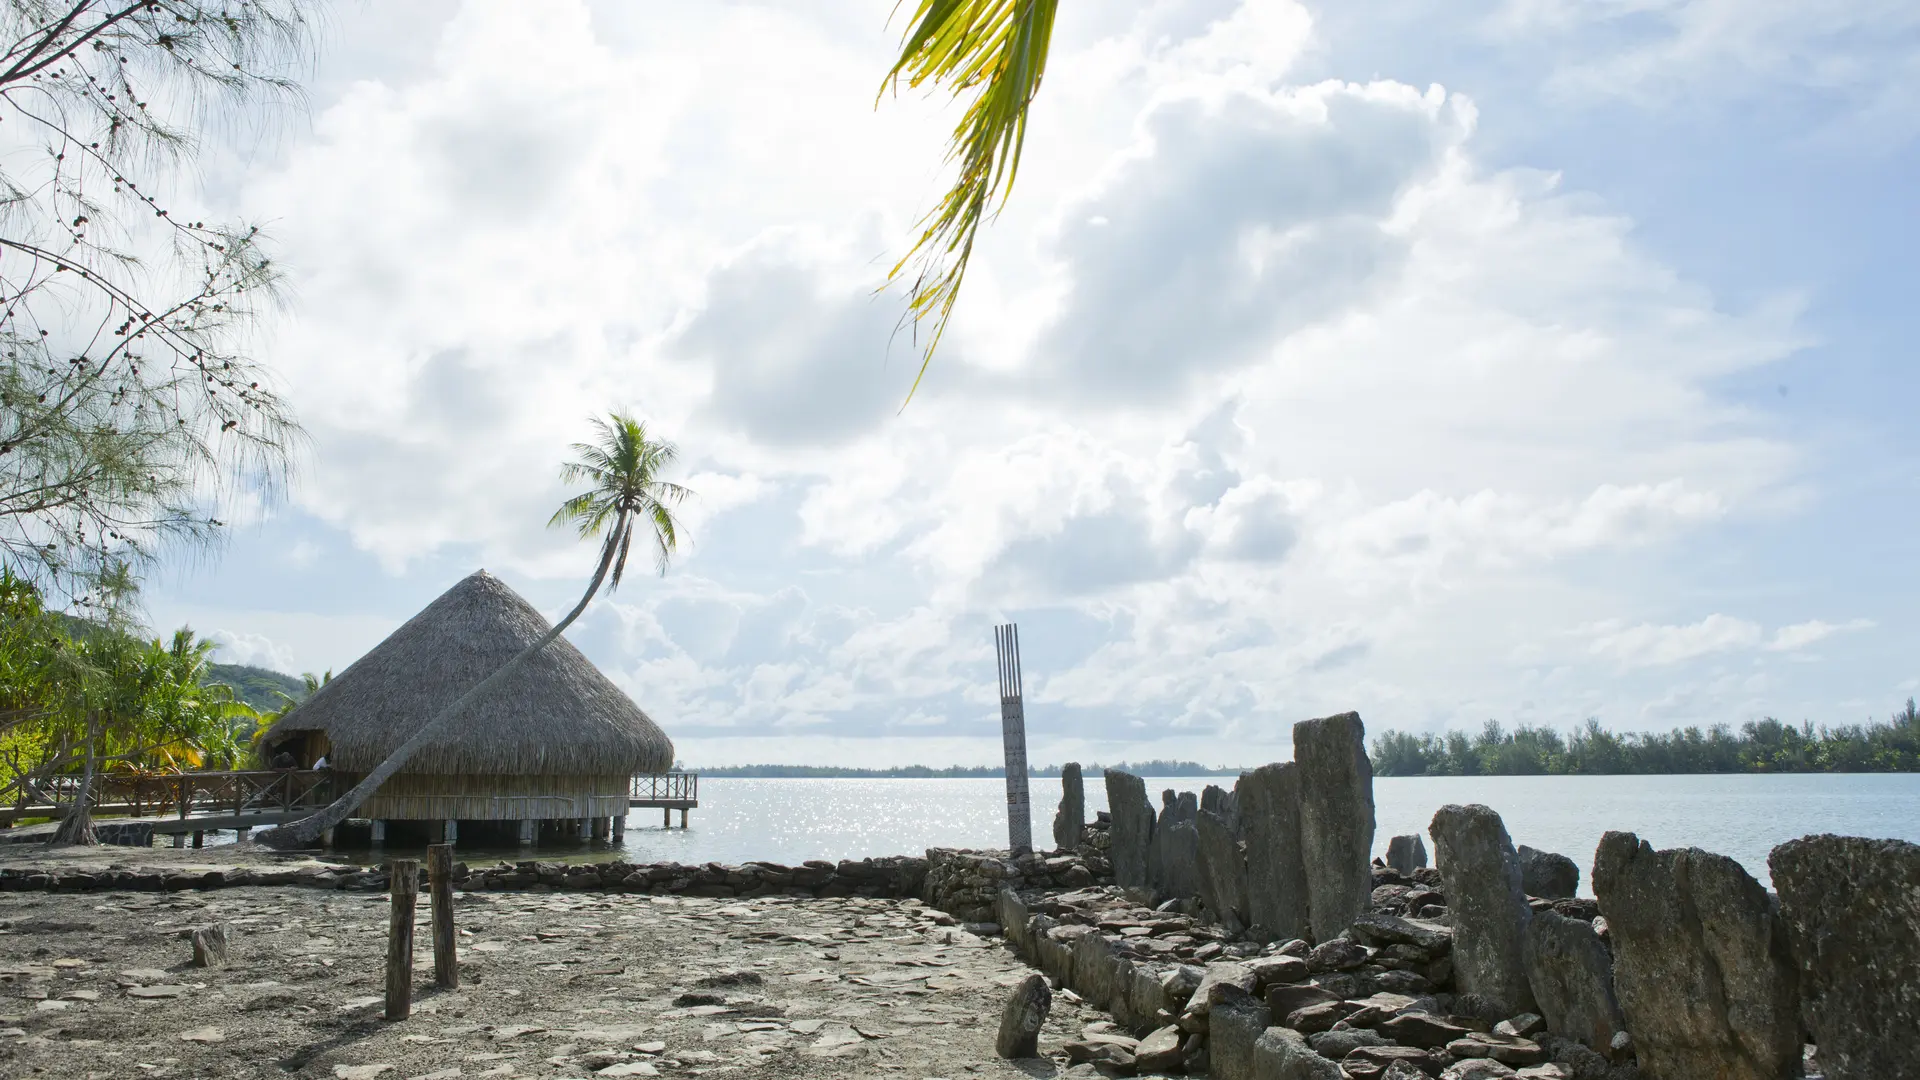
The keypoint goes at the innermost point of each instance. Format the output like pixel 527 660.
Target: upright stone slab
pixel 1571 973
pixel 1022 1017
pixel 1852 912
pixel 1233 1027
pixel 1131 834
pixel 1173 862
pixel 1407 853
pixel 1223 872
pixel 1071 819
pixel 1336 820
pixel 1269 800
pixel 1548 874
pixel 1213 799
pixel 1700 963
pixel 1481 876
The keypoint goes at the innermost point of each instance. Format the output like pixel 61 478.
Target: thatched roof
pixel 556 715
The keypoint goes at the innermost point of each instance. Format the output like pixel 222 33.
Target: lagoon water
pixel 790 821
pixel 1741 816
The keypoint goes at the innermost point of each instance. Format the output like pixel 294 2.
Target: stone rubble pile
pixel 964 884
pixel 1186 997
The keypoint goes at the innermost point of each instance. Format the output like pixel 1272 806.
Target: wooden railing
pixel 183 794
pixel 673 787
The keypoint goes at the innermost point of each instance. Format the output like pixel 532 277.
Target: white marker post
pixel 1013 726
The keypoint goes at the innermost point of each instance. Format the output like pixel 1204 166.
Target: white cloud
pixel 1325 411
pixel 1865 54
pixel 255 649
pixel 1648 644
pixel 1800 635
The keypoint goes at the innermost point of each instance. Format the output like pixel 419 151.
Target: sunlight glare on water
pixel 791 821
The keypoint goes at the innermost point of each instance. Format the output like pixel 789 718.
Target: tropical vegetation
pixel 131 402
pixel 86 699
pixel 1758 746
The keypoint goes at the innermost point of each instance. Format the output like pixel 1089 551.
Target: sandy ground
pixel 556 984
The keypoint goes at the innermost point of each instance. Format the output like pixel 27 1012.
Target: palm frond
pixel 995 50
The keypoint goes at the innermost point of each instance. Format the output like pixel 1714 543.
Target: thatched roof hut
pixel 557 739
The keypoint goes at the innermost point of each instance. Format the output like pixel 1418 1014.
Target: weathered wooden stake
pixel 405 886
pixel 446 962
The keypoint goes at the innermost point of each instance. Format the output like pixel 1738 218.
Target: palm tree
pixel 624 495
pixel 997 51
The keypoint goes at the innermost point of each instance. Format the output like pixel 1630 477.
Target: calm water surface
pixel 790 821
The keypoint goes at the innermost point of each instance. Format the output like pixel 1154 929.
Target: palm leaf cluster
pixel 624 491
pixel 995 52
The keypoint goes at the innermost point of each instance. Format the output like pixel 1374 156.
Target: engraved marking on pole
pixel 1013 727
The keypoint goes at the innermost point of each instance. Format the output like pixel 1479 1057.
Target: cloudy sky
pixel 1526 360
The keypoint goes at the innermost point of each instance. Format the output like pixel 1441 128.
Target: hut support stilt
pixel 241 833
pixel 449 831
pixel 199 838
pixel 179 839
pixel 619 828
pixel 527 827
pixel 683 819
pixel 379 832
pixel 326 838
pixel 602 827
pixel 666 818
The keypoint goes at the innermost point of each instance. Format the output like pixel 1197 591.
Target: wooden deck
pixel 258 796
pixel 199 802
pixel 666 792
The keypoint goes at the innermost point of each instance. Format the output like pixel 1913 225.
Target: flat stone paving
pixel 555 984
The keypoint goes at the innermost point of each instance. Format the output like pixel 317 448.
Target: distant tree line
pixel 1759 746
pixel 956 772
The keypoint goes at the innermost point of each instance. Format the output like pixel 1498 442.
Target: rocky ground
pixel 555 984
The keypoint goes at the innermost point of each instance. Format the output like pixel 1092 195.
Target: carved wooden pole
pixel 446 963
pixel 405 887
pixel 1013 727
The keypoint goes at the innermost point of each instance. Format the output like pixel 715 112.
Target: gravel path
pixel 555 984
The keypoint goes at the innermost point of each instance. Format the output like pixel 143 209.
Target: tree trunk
pixel 77 827
pixel 306 832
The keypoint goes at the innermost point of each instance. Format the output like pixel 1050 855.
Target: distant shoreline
pixel 952 772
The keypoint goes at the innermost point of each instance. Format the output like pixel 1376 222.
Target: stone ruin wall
pixel 1248 934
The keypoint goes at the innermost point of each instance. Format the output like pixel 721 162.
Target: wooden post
pixel 683 817
pixel 666 817
pixel 446 962
pixel 449 831
pixel 379 832
pixel 619 828
pixel 528 830
pixel 199 838
pixel 1013 730
pixel 405 887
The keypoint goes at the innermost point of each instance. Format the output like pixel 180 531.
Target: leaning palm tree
pixel 995 50
pixel 624 496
